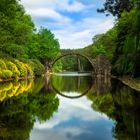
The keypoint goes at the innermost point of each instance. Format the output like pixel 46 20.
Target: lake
pixel 69 107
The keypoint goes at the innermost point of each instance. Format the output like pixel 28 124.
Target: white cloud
pixel 73 7
pixel 79 34
pixel 62 125
pixel 47 13
pixel 37 3
pixel 72 32
pixel 64 5
pixel 68 109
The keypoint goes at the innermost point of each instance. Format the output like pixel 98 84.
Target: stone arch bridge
pixel 100 65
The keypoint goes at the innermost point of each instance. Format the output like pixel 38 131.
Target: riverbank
pixel 131 82
pixel 127 80
pixel 13 69
pixel 20 78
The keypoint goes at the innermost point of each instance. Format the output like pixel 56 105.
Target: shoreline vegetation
pixel 14 69
pixel 26 51
pixel 131 82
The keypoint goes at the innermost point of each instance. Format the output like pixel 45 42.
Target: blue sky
pixel 74 22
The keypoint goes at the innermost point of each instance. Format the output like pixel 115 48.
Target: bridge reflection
pixel 64 85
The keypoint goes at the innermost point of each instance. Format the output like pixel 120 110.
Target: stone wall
pixel 102 66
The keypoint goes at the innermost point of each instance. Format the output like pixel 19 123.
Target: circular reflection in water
pixel 64 84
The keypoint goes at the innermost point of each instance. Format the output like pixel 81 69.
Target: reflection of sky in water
pixel 75 120
pixel 72 74
pixel 71 94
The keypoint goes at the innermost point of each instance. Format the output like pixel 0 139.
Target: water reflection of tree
pixel 19 113
pixel 71 84
pixel 101 85
pixel 10 89
pixel 122 105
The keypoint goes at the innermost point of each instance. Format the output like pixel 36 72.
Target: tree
pixel 15 28
pixel 44 46
pixel 102 44
pixel 126 56
pixel 127 52
pixel 116 7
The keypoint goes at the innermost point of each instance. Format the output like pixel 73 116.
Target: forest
pixel 24 49
pixel 121 44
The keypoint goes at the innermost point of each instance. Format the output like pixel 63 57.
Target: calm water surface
pixel 69 107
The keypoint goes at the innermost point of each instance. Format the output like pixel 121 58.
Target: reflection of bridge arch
pixel 75 54
pixel 72 97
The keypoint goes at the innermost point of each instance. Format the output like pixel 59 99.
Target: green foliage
pixel 76 63
pixel 126 56
pixel 103 44
pixel 12 67
pixel 58 66
pixel 9 89
pixel 116 7
pixel 102 50
pixel 125 60
pixel 21 103
pixel 38 68
pixel 44 46
pixel 21 67
pixel 69 63
pixel 35 65
pixel 121 105
pixel 5 74
pixel 71 84
pixel 4 55
pixel 15 28
pixel 29 70
pixel 20 40
pixel 2 64
pixel 17 68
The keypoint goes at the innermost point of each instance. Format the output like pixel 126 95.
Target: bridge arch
pixel 74 54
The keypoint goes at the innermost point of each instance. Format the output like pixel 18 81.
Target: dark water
pixel 69 108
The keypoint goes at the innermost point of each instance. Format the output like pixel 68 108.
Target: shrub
pixel 21 67
pixel 5 86
pixel 11 66
pixel 2 65
pixel 38 68
pixel 35 65
pixel 15 68
pixel 29 70
pixel 5 74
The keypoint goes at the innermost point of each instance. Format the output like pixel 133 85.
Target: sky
pixel 74 22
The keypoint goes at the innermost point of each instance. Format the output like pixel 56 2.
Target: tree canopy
pixel 19 37
pixel 44 45
pixel 116 7
pixel 16 28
